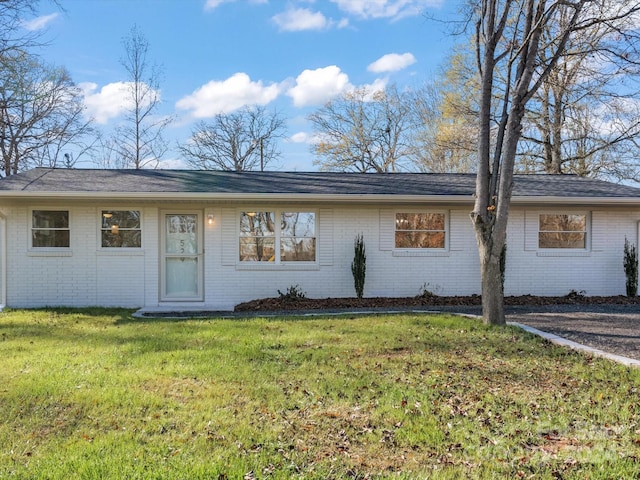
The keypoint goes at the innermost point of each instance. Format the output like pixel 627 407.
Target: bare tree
pixel 446 141
pixel 585 118
pixel 104 152
pixel 13 37
pixel 40 107
pixel 365 131
pixel 139 141
pixel 40 114
pixel 239 141
pixel 523 40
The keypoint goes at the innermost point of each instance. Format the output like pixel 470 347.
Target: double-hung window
pixel 297 237
pixel 562 231
pixel 50 229
pixel 120 229
pixel 257 237
pixel 277 236
pixel 424 230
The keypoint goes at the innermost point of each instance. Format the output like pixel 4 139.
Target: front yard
pixel 99 394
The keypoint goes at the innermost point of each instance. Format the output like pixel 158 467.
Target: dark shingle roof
pixel 76 181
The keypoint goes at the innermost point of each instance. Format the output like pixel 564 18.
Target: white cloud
pixel 40 22
pixel 213 4
pixel 305 137
pixel 386 8
pixel 315 87
pixel 392 62
pixel 172 164
pixel 616 116
pixel 299 19
pixel 109 102
pixel 228 95
pixel 378 85
pixel 300 137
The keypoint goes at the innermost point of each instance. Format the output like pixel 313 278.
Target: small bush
pixel 359 265
pixel 631 268
pixel 576 295
pixel 426 292
pixel 293 293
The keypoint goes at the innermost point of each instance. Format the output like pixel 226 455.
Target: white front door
pixel 181 262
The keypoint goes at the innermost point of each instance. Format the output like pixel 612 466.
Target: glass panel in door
pixel 181 257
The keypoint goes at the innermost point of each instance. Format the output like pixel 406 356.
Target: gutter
pixel 208 196
pixel 537 200
pixel 307 197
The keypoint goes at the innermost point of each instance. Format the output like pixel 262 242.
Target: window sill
pixel 123 252
pixel 271 267
pixel 421 253
pixel 563 253
pixel 63 252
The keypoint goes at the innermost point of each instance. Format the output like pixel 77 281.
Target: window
pixel 420 230
pixel 291 239
pixel 257 237
pixel 50 229
pixel 297 237
pixel 562 231
pixel 121 229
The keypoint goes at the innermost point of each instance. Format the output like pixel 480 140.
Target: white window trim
pixel 564 252
pixel 123 250
pixel 423 252
pixel 277 264
pixel 48 251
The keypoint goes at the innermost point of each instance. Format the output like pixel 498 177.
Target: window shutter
pixel 387 229
pixel 596 227
pixel 325 236
pixel 531 225
pixel 457 229
pixel 229 237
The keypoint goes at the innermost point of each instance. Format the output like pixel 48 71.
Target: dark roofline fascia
pixel 325 198
pixel 204 196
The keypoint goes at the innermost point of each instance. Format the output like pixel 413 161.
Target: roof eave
pixel 611 201
pixel 306 197
pixel 205 196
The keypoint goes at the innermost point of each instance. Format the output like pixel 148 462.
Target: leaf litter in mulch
pixel 302 303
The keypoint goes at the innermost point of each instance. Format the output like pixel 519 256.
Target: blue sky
pixel 220 55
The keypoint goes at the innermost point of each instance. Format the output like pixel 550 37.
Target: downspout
pixel 3 262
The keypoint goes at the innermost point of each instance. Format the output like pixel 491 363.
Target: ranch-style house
pixel 207 240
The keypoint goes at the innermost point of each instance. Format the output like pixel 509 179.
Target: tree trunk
pixel 490 242
pixel 492 293
pixel 557 124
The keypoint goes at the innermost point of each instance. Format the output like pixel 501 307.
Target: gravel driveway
pixel 611 328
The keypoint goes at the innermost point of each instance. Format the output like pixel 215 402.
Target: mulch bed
pixel 284 302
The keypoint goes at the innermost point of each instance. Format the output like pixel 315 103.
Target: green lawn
pixel 100 395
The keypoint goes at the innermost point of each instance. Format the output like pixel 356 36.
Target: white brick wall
pixel 93 276
pixel 598 271
pixel 83 276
